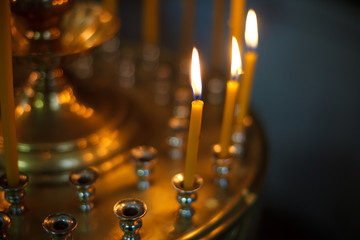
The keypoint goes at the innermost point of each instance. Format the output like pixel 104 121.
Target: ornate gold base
pixel 89 131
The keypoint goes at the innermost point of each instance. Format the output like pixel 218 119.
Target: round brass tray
pixel 219 213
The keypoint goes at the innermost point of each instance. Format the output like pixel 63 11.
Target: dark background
pixel 307 96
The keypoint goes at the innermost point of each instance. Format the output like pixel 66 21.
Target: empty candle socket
pixel 60 226
pixel 15 195
pixel 145 158
pixel 239 135
pixel 186 197
pixel 222 166
pixel 83 181
pixel 178 128
pixel 130 212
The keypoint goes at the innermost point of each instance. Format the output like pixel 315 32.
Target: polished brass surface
pixel 218 211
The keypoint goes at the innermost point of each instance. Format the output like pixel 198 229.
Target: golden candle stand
pixel 99 124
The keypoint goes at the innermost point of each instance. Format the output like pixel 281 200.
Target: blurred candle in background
pixel 187 29
pixel 218 35
pixel 195 122
pixel 151 22
pixel 7 97
pixel 251 40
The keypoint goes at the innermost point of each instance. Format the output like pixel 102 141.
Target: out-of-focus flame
pixel 196 74
pixel 251 30
pixel 236 66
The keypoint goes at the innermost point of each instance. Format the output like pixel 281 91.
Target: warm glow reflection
pixel 59 2
pixel 251 30
pixel 196 74
pixel 235 60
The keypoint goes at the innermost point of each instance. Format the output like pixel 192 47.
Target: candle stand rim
pixel 23 182
pixel 48 223
pixel 74 179
pixel 135 203
pixel 177 182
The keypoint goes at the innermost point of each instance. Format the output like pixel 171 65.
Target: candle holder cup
pixel 130 212
pixel 178 127
pixel 145 158
pixel 15 195
pixel 239 135
pixel 222 166
pixel 150 57
pixel 60 226
pixel 83 181
pixel 5 223
pixel 186 197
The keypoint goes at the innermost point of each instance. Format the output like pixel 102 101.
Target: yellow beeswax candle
pixel 7 97
pixel 195 123
pixel 236 23
pixel 245 88
pixel 151 21
pixel 251 39
pixel 111 5
pixel 193 143
pixel 230 100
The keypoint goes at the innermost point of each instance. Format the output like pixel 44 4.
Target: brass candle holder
pixel 222 166
pixel 145 158
pixel 130 212
pixel 239 135
pixel 15 195
pixel 83 181
pixel 150 57
pixel 186 197
pixel 60 226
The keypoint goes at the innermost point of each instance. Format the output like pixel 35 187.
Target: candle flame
pixel 251 30
pixel 196 74
pixel 235 60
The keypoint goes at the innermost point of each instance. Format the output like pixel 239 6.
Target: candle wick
pixel 236 76
pixel 251 48
pixel 197 96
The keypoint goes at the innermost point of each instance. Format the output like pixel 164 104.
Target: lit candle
pixel 7 97
pixel 111 5
pixel 230 100
pixel 195 122
pixel 150 21
pixel 251 40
